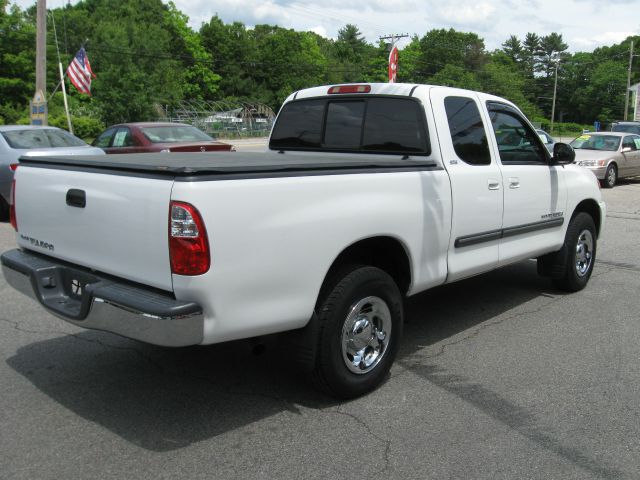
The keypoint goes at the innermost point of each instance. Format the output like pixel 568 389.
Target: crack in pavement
pixel 479 329
pixel 485 325
pixel 626 266
pixel 367 427
pixel 16 326
pixel 624 215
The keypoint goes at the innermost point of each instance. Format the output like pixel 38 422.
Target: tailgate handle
pixel 76 198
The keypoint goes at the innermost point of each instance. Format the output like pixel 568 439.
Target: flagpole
pixel 64 89
pixel 64 96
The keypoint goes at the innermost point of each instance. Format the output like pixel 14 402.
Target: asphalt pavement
pixel 499 377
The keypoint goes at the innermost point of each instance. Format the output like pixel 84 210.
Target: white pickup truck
pixel 369 193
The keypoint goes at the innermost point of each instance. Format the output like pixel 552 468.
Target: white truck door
pixel 535 195
pixel 476 182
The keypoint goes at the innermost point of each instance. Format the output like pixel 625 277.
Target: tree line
pixel 147 59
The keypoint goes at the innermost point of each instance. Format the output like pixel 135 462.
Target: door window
pixel 122 138
pixel 630 143
pixel 517 142
pixel 104 140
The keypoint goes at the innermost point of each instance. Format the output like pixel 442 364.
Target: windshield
pixel 41 138
pixel 175 133
pixel 628 128
pixel 597 142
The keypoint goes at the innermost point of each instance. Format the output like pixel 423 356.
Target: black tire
pixel 578 254
pixel 368 290
pixel 610 177
pixel 4 210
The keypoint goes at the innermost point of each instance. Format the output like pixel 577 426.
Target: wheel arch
pixel 590 207
pixel 384 252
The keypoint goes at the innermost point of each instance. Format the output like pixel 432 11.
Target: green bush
pixel 86 128
pixel 561 129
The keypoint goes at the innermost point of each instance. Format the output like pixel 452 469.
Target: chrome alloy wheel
pixel 611 176
pixel 584 253
pixel 365 334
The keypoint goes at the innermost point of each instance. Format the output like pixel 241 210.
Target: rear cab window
pixel 387 125
pixel 467 131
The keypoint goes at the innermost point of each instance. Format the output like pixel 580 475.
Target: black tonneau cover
pixel 229 163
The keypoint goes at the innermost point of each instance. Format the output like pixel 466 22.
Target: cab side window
pixel 104 140
pixel 123 138
pixel 467 130
pixel 628 142
pixel 517 142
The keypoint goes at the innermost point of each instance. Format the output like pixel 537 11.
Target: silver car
pixel 609 155
pixel 31 140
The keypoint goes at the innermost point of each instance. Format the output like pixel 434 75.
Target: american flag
pixel 80 72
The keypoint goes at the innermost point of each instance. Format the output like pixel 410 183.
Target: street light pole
pixel 626 96
pixel 553 104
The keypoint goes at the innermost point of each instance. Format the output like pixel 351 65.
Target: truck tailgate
pixel 120 230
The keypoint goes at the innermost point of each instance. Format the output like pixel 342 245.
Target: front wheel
pixel 580 248
pixel 360 319
pixel 610 177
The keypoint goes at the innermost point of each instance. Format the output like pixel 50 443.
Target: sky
pixel 584 25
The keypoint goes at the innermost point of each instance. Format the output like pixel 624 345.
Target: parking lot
pixel 499 377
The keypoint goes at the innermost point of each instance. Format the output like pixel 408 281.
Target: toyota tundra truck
pixel 369 193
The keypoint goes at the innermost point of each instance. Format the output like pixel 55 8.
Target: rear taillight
pixel 12 206
pixel 188 242
pixel 349 89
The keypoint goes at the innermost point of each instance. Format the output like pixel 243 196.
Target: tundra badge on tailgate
pixel 38 243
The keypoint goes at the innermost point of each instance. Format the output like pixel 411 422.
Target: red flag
pixel 80 73
pixel 393 64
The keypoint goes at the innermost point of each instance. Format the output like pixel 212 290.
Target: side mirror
pixel 563 153
pixel 626 149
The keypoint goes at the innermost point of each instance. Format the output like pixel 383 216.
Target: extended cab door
pixel 535 195
pixel 476 182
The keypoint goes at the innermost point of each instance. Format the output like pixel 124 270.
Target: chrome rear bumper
pixel 100 302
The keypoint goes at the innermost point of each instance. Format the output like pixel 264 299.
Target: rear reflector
pixel 14 166
pixel 12 206
pixel 188 242
pixel 350 89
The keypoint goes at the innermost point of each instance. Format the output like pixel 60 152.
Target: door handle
pixel 514 182
pixel 493 185
pixel 76 198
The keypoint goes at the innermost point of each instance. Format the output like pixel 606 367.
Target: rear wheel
pixel 610 177
pixel 360 325
pixel 580 251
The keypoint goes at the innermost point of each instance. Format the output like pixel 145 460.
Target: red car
pixel 157 137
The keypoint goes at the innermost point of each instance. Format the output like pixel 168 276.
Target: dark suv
pixel 627 127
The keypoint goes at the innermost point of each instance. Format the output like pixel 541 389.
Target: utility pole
pixel 394 37
pixel 393 53
pixel 39 102
pixel 553 104
pixel 626 96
